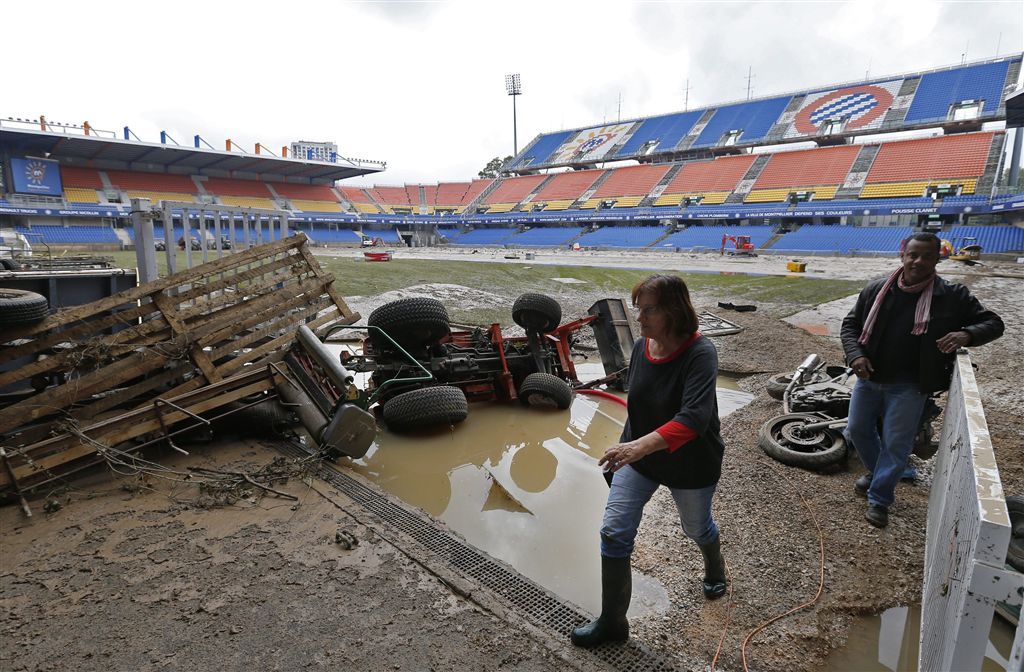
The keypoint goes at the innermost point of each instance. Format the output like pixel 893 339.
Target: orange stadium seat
pixel 568 186
pixel 307 192
pixel 152 182
pixel 631 181
pixel 932 158
pixel 808 168
pixel 85 178
pixel 514 189
pixel 222 186
pixel 719 175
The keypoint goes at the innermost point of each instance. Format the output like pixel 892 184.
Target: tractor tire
pixel 543 390
pixel 536 312
pixel 18 306
pixel 412 323
pixel 426 408
pixel 822 449
pixel 7 264
pixel 1015 551
pixel 777 385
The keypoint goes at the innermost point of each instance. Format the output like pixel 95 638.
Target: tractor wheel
pixel 545 390
pixel 426 408
pixel 782 440
pixel 7 264
pixel 412 322
pixel 1015 551
pixel 777 385
pixel 18 306
pixel 536 312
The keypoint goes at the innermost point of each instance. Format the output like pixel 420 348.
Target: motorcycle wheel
pixel 781 439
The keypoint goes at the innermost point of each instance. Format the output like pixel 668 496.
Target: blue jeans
pixel 899 405
pixel 630 492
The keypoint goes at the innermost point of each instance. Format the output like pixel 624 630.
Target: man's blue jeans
pixel 899 405
pixel 630 492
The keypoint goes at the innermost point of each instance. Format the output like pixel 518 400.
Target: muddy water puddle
pixel 524 485
pixel 890 642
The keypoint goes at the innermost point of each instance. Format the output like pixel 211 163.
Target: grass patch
pixel 357 278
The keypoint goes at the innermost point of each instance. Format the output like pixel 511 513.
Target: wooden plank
pixel 54 399
pixel 238 362
pixel 267 329
pixel 339 300
pixel 137 293
pixel 134 391
pixel 201 359
pixel 70 447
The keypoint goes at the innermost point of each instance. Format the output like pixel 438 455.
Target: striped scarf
pixel 922 313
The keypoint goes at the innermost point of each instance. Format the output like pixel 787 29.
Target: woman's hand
pixel 621 454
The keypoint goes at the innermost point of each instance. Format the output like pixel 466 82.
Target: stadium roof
pixel 89 148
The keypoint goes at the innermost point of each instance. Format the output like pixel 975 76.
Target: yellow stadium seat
pixel 248 202
pixel 713 197
pixel 558 205
pixel 628 201
pixel 501 207
pixel 668 199
pixel 156 196
pixel 77 195
pixel 767 195
pixel 368 208
pixel 591 204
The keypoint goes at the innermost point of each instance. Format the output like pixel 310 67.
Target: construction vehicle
pixel 963 249
pixel 741 246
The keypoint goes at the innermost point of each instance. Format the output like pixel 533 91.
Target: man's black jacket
pixel 954 308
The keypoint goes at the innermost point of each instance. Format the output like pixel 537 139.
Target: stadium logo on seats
pixel 35 173
pixel 862 106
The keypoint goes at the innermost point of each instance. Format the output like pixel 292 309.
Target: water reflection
pixel 523 485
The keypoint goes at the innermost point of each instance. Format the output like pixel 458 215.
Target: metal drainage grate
pixel 533 602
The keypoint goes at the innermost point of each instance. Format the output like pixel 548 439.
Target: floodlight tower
pixel 514 88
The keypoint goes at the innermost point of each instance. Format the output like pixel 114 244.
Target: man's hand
pixel 862 367
pixel 952 341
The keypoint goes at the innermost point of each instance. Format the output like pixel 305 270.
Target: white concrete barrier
pixel 968 532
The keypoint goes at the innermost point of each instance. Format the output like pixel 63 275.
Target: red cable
pixel 604 395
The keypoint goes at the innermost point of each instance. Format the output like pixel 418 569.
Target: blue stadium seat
pixel 485 236
pixel 754 119
pixel 540 236
pixel 668 130
pixel 448 232
pixel 843 239
pixel 622 236
pixel 938 90
pixel 991 238
pixel 711 236
pixel 542 150
pixel 72 235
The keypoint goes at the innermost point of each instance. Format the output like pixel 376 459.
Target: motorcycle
pixel 816 404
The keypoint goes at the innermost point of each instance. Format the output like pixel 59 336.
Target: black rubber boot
pixel 616 590
pixel 714 569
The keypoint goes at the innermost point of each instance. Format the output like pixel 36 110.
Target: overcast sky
pixel 420 85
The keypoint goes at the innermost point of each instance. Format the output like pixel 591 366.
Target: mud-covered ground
pixel 137 580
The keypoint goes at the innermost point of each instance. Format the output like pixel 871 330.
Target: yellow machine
pixel 965 249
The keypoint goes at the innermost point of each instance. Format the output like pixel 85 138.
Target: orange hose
pixel 604 395
pixel 821 580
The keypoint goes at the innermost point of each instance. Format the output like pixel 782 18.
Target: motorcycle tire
pixel 818 450
pixel 777 385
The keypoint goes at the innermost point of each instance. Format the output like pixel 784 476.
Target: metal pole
pixel 145 250
pixel 515 136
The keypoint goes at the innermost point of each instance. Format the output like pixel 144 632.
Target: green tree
pixel 493 167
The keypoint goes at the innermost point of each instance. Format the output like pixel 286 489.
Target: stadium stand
pixel 359 199
pixel 565 188
pixel 457 195
pixel 908 167
pixel 711 236
pixel 622 236
pixel 545 236
pixel 308 197
pixel 938 91
pixel 393 197
pixel 628 183
pixel 485 236
pixel 659 134
pixel 72 235
pixel 540 150
pixel 86 178
pixel 240 193
pixel 821 171
pixel 752 119
pixel 511 191
pixel 994 239
pixel 711 181
pixel 154 186
pixel 843 239
pixel 448 232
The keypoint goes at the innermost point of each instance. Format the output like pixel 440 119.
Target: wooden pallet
pixel 167 338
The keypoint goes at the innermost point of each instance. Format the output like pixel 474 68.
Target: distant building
pixel 315 151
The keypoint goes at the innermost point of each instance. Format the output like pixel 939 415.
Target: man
pixel 901 339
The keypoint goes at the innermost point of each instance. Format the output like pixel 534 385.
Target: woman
pixel 671 438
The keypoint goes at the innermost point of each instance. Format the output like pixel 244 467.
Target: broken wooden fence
pixel 170 339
